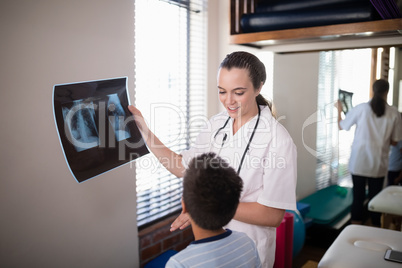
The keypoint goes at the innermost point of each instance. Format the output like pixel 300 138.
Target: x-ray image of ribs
pixel 116 117
pixel 81 128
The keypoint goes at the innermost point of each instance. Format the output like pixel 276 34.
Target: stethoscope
pixel 249 141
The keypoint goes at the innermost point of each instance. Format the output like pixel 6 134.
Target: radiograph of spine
pixel 116 117
pixel 81 127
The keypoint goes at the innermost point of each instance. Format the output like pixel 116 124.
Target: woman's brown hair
pixel 256 70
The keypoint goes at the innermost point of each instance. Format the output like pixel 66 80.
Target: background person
pixel 378 125
pixel 395 164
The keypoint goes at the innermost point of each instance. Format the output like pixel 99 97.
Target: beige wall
pixel 47 218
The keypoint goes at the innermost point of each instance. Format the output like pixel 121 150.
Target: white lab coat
pixel 373 135
pixel 269 170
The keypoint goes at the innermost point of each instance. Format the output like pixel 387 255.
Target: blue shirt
pixel 230 249
pixel 395 157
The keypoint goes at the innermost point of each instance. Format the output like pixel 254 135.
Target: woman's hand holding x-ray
pixel 168 158
pixel 139 119
pixel 141 124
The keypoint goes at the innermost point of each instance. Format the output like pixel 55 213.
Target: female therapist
pixel 248 137
pixel 378 126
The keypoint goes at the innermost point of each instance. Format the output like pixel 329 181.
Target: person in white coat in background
pixel 253 142
pixel 378 126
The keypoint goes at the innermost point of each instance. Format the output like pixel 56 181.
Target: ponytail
pixel 264 102
pixel 378 103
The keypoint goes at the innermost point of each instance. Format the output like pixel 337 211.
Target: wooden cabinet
pixel 350 31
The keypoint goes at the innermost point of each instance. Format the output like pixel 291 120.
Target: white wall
pixel 47 218
pixel 295 98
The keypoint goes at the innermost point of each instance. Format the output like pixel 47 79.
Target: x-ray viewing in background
pixel 96 131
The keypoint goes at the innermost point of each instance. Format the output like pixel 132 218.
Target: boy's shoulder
pixel 240 234
pixel 233 240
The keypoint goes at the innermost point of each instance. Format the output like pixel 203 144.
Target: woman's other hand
pixel 180 222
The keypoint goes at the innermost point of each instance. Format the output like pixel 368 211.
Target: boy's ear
pixel 183 206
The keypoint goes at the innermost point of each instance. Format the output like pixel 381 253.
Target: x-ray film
pixel 97 132
pixel 346 100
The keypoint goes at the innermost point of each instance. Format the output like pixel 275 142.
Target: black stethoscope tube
pixel 249 141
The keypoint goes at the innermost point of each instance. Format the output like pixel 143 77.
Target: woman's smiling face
pixel 237 93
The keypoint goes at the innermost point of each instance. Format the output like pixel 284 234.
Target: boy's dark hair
pixel 211 191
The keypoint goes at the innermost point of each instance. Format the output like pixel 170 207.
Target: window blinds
pixel 170 90
pixel 348 70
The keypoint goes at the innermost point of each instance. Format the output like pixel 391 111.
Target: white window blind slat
pixel 170 88
pixel 347 70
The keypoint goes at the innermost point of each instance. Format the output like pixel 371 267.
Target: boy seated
pixel 211 192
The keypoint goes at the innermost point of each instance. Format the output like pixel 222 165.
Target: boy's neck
pixel 200 233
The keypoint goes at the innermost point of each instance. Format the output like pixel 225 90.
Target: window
pixel 349 70
pixel 170 91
